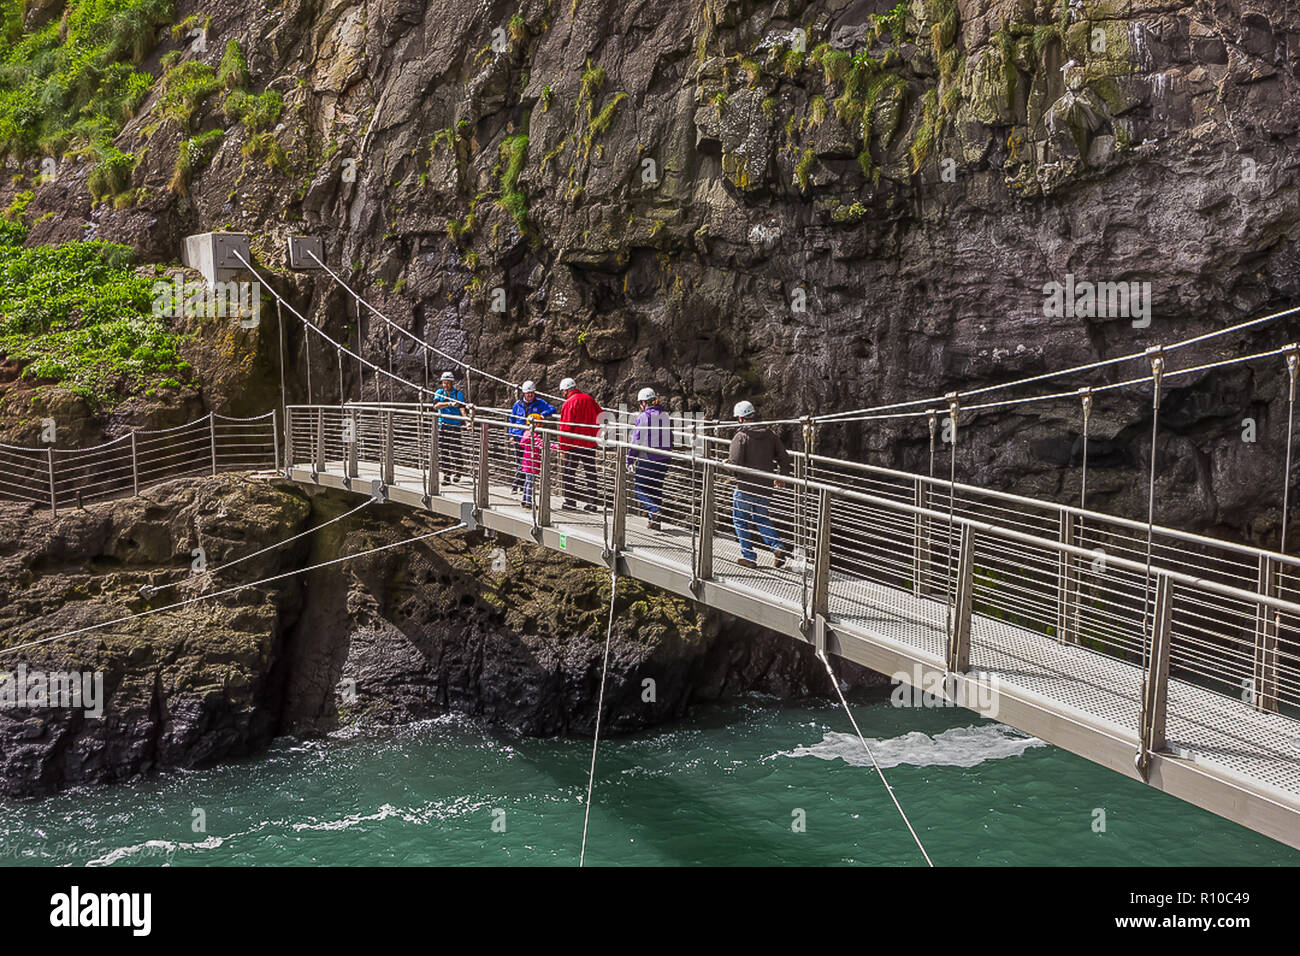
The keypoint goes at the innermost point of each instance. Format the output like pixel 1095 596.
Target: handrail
pixel 955 521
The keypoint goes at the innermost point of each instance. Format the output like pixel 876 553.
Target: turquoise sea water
pixel 726 786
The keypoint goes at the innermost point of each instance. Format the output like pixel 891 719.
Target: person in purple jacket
pixel 651 436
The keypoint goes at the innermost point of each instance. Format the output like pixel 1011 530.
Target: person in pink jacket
pixel 530 457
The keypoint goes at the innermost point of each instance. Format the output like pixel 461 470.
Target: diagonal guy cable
pixel 230 590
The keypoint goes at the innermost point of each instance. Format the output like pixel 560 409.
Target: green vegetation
pixel 818 110
pixel 593 79
pixel 518 29
pixel 256 111
pixel 73 83
pixel 185 87
pixel 926 134
pixel 894 22
pixel 514 151
pixel 110 177
pixel 233 71
pixel 78 315
pixel 848 213
pixel 803 167
pixel 194 154
pixel 14 214
pixel 601 121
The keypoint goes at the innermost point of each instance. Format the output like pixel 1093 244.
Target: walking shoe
pixel 526 503
pixel 590 508
pixel 780 556
pixel 746 563
pixel 455 478
pixel 446 478
pixel 653 524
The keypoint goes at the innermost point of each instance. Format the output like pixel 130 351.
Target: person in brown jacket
pixel 758 447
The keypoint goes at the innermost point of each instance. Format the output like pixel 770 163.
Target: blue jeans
pixel 649 485
pixel 747 513
pixel 528 488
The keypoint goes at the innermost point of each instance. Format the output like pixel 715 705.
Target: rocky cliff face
pixel 400 635
pixel 820 205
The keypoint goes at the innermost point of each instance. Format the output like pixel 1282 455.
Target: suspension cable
pixel 425 345
pixel 600 705
pixel 890 790
pixel 868 413
pixel 154 588
pixel 323 334
pixel 230 590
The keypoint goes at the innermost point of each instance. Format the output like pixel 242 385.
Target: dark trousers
pixel 649 485
pixel 451 449
pixel 574 459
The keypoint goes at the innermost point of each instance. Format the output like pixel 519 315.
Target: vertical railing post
pixel 800 527
pixel 319 457
pixel 353 456
pixel 959 615
pixel 275 440
pixel 1067 585
pixel 920 541
pixel 212 438
pixel 542 494
pixel 54 508
pixel 618 522
pixel 1264 678
pixel 389 471
pixel 819 595
pixel 433 456
pixel 481 479
pixel 135 467
pixel 1155 687
pixel 708 511
pixel 288 441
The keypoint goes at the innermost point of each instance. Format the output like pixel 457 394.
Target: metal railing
pixel 65 477
pixel 1220 615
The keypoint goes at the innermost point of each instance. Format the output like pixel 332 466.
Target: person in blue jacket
pixel 450 404
pixel 651 435
pixel 530 404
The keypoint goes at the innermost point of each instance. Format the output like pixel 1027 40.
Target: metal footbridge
pixel 957 589
pixel 1179 670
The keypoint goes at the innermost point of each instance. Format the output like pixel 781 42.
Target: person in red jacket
pixel 579 425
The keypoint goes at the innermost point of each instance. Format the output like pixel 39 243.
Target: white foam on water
pixel 957 747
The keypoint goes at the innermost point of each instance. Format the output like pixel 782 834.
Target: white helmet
pixel 528 387
pixel 566 384
pixel 744 410
pixel 646 395
pixel 447 377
